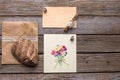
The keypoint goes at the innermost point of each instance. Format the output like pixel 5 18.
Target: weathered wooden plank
pixel 79 76
pixel 91 25
pixel 85 7
pixel 98 62
pixel 21 68
pixel 98 43
pixel 21 7
pixel 91 43
pixel 85 63
pixel 86 25
pixel 88 7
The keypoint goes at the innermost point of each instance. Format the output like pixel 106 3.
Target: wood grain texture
pixel 98 43
pixel 85 7
pixel 85 25
pixel 88 7
pixel 79 76
pixel 90 25
pixel 95 53
pixel 20 7
pixel 91 43
pixel 85 63
pixel 21 68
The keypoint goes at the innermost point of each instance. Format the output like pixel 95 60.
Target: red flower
pixel 64 47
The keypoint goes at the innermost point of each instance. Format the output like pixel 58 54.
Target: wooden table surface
pixel 98 38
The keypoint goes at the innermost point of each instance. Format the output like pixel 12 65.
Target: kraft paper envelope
pixel 59 53
pixel 58 17
pixel 11 31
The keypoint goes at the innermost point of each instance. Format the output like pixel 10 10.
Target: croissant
pixel 25 52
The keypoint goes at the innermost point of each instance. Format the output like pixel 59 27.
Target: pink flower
pixel 61 50
pixel 53 52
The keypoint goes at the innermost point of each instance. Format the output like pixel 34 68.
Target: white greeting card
pixel 59 53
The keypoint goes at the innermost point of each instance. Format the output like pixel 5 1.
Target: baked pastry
pixel 25 52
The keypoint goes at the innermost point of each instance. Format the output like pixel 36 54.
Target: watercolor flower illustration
pixel 60 52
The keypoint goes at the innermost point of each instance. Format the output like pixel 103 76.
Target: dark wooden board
pixel 91 43
pixel 86 25
pixel 79 76
pixel 108 62
pixel 88 7
pixel 98 39
pixel 20 7
pixel 85 7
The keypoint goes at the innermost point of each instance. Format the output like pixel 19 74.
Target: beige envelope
pixel 58 17
pixel 11 31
